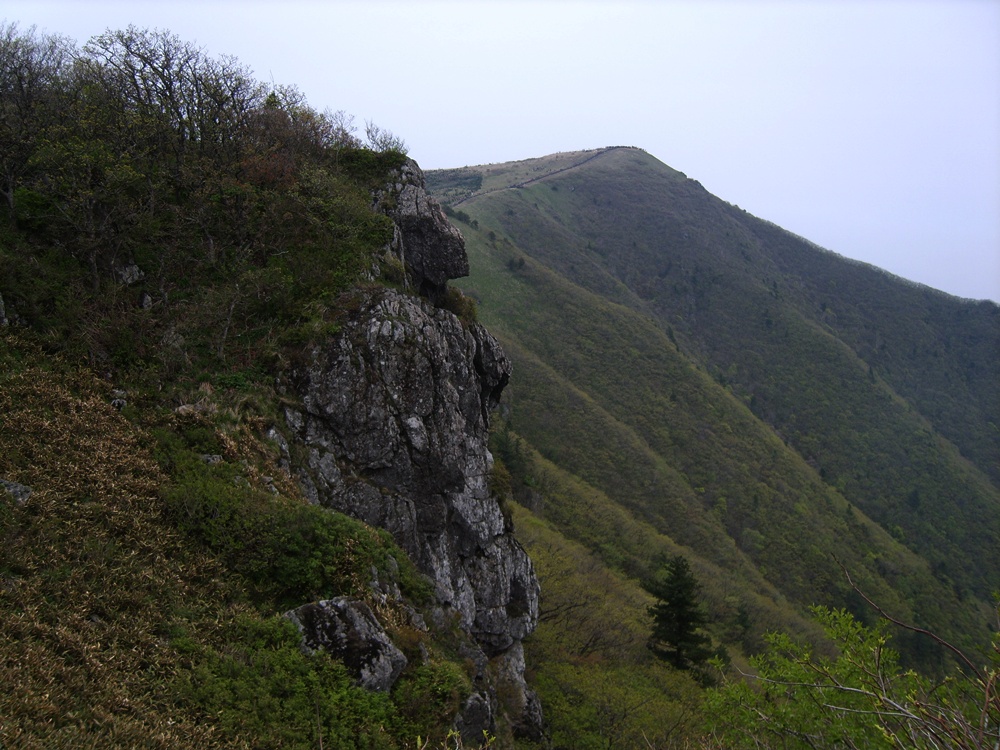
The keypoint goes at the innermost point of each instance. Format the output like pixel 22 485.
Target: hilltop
pixel 689 378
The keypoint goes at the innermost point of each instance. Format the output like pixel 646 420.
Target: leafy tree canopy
pixel 139 171
pixel 860 698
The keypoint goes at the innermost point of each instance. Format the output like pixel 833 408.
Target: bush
pixel 430 696
pixel 463 307
pixel 263 686
pixel 861 698
pixel 288 551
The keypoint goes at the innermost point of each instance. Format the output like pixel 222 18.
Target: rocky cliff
pixel 393 415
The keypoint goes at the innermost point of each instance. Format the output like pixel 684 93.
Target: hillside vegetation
pixel 173 235
pixel 690 383
pixel 691 379
pixel 141 602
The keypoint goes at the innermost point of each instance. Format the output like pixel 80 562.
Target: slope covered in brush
pixel 768 404
pixel 220 523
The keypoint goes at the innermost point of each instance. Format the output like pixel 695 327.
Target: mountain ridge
pixel 453 197
pixel 729 291
pixel 250 491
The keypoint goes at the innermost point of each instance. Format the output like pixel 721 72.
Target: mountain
pixel 254 491
pixel 246 498
pixel 768 406
pixel 689 379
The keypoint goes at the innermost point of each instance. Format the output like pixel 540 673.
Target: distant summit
pixel 748 389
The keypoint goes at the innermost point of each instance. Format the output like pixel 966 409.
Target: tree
pixel 678 617
pixel 860 698
pixel 33 67
pixel 382 140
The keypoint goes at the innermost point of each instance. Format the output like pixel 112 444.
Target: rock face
pixel 395 416
pixel 347 628
pixel 394 419
pixel 432 249
pixel 19 492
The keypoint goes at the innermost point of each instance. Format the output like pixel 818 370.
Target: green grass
pixel 588 660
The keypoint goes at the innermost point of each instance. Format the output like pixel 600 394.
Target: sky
pixel 871 127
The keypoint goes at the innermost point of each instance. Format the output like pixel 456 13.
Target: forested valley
pixel 691 381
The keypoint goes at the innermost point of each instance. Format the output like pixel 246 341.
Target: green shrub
pixel 263 686
pixel 393 270
pixel 455 302
pixel 429 696
pixel 288 551
pixel 861 697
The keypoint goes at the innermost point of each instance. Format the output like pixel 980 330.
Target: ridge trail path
pixel 517 185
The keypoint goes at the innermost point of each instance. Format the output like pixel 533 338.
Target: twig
pixel 912 628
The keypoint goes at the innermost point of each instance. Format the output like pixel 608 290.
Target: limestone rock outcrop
pixel 394 414
pixel 392 419
pixel 431 248
pixel 347 629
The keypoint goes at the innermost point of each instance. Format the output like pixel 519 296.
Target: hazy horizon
pixel 869 128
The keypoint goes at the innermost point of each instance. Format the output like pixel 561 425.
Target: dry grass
pixel 90 576
pixel 120 626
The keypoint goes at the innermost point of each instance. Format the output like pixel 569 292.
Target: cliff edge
pixel 393 413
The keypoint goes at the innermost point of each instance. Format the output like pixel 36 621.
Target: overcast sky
pixel 871 128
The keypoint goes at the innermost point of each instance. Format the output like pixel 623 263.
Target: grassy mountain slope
pixel 142 588
pixel 173 235
pixel 676 353
pixel 689 380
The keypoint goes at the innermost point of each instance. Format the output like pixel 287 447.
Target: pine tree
pixel 678 617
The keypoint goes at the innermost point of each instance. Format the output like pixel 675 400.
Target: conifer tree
pixel 678 617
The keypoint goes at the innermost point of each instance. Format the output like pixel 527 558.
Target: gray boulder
pixel 18 492
pixel 432 249
pixel 348 630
